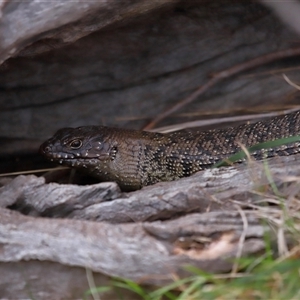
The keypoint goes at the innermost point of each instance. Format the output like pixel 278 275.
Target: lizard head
pixel 80 147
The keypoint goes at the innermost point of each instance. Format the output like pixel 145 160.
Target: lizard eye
pixel 76 144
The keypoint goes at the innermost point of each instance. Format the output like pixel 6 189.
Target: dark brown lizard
pixel 137 158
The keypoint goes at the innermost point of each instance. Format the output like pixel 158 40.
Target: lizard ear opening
pixel 98 149
pixel 113 152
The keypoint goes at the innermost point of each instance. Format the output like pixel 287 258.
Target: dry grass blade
pixel 214 121
pixel 290 82
pixel 241 240
pixel 220 76
pixel 32 171
pixel 92 286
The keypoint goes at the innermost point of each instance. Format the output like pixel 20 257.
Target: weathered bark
pixel 35 279
pixel 136 251
pixel 208 190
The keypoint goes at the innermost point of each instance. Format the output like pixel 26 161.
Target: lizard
pixel 135 158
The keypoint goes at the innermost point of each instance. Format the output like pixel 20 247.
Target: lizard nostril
pixel 47 149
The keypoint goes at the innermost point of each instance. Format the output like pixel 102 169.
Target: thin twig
pixel 32 171
pixel 290 82
pixel 219 76
pixel 200 123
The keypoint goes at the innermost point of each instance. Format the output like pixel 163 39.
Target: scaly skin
pixel 135 158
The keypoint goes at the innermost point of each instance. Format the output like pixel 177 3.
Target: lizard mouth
pixel 52 153
pixel 69 159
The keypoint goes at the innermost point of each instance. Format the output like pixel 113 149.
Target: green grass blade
pixel 98 290
pixel 157 294
pixel 131 286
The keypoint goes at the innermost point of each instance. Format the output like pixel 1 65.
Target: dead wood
pixel 210 190
pixel 140 250
pixel 148 252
